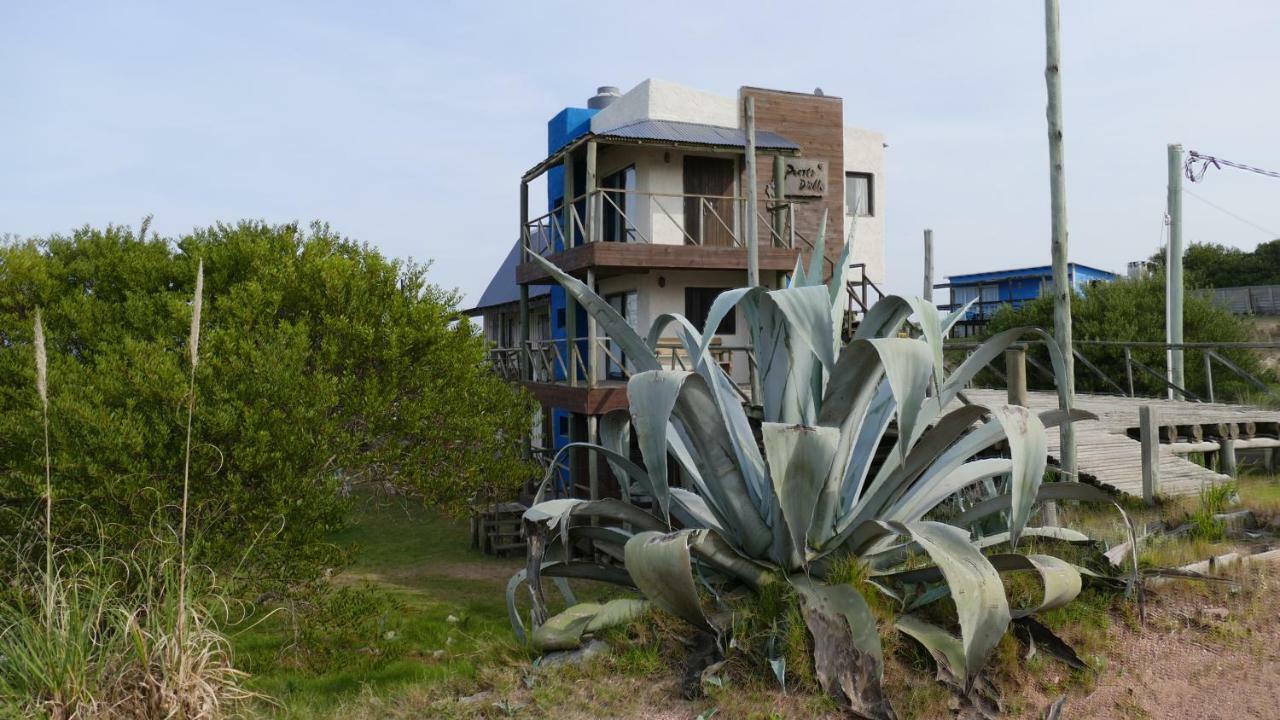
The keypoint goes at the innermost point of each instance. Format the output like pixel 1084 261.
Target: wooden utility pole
pixel 1058 241
pixel 753 248
pixel 1173 271
pixel 928 265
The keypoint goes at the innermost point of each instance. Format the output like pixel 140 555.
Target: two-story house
pixel 647 202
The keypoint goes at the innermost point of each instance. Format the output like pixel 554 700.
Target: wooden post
pixel 928 265
pixel 1173 269
pixel 1227 453
pixel 1058 243
pixel 526 365
pixel 753 246
pixel 779 200
pixel 593 367
pixel 1015 368
pixel 593 465
pixel 571 339
pixel 593 216
pixel 1149 434
pixel 1128 370
pixel 1208 375
pixel 566 205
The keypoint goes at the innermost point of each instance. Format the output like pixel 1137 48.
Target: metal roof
pixel 689 133
pixel 1029 272
pixel 502 289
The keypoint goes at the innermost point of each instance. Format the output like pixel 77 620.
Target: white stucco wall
pixel 864 152
pixel 662 100
pixel 657 210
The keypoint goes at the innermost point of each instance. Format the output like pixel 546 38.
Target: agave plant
pixel 852 455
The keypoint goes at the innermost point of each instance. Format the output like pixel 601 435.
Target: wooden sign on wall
pixel 805 178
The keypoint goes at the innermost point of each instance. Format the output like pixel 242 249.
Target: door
pixel 615 361
pixel 709 220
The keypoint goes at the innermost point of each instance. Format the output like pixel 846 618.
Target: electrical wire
pixel 1197 165
pixel 1272 233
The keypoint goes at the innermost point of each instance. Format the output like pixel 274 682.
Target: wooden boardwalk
pixel 1109 454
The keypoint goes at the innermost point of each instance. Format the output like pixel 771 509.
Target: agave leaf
pixel 1053 533
pixel 976 588
pixel 724 304
pixel 847 656
pixel 819 252
pixel 712 549
pixel 800 461
pixel 1034 634
pixel 1029 450
pixel 685 332
pixel 558 571
pixel 652 396
pixel 923 498
pixel 564 630
pixel 615 436
pixel 618 460
pixel 947 651
pixel 1047 491
pixel 692 511
pixel 660 566
pixel 907 365
pixel 613 324
pixel 798 278
pixel 884 319
pixel 1061 581
pixel 808 314
pixel 617 611
pixel 992 348
pixel 931 331
pixel 724 484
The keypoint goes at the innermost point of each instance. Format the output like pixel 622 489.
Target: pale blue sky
pixel 407 125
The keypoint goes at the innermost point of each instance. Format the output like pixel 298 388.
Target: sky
pixel 407 124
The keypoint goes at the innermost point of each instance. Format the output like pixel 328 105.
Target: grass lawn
pixel 421 573
pixel 418 622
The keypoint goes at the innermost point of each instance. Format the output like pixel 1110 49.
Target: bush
pixel 1135 310
pixel 324 364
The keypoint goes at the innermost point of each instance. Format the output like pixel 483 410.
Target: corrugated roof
pixel 696 134
pixel 502 289
pixel 1028 272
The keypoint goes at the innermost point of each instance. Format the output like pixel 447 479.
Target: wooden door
pixel 709 220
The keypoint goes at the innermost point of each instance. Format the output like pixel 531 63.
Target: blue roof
pixel 502 289
pixel 1028 272
pixel 696 134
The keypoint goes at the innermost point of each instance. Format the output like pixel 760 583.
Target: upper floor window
pixel 858 194
pixel 619 202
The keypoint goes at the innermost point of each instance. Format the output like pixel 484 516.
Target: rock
pixel 1237 521
pixel 451 619
pixel 477 698
pixel 583 655
pixel 1214 614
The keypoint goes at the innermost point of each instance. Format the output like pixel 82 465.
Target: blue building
pixel 1014 287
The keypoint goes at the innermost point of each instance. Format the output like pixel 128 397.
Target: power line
pixel 1227 212
pixel 1195 172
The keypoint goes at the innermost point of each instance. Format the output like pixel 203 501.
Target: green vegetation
pixel 774 513
pixel 1134 310
pixel 325 365
pixel 1210 265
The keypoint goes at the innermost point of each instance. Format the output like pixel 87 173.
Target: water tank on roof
pixel 604 97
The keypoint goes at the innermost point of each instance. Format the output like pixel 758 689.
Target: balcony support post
pixel 566 205
pixel 593 367
pixel 593 212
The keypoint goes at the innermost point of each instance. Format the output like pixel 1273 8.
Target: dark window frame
pixel 871 193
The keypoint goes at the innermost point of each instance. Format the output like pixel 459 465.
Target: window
pixel 697 304
pixel 619 200
pixel 858 194
pixel 615 359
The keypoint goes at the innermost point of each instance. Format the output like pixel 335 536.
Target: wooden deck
pixel 1109 454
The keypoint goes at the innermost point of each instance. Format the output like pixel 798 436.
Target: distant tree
pixel 1135 310
pixel 1211 265
pixel 323 363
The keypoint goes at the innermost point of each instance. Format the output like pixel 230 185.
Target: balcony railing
pixel 550 362
pixel 633 216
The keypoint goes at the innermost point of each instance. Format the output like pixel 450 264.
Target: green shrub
pixel 324 364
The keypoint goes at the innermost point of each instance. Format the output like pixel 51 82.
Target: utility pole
pixel 1058 241
pixel 753 248
pixel 928 265
pixel 1173 271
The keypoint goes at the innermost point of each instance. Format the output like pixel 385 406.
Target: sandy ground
pixel 1192 671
